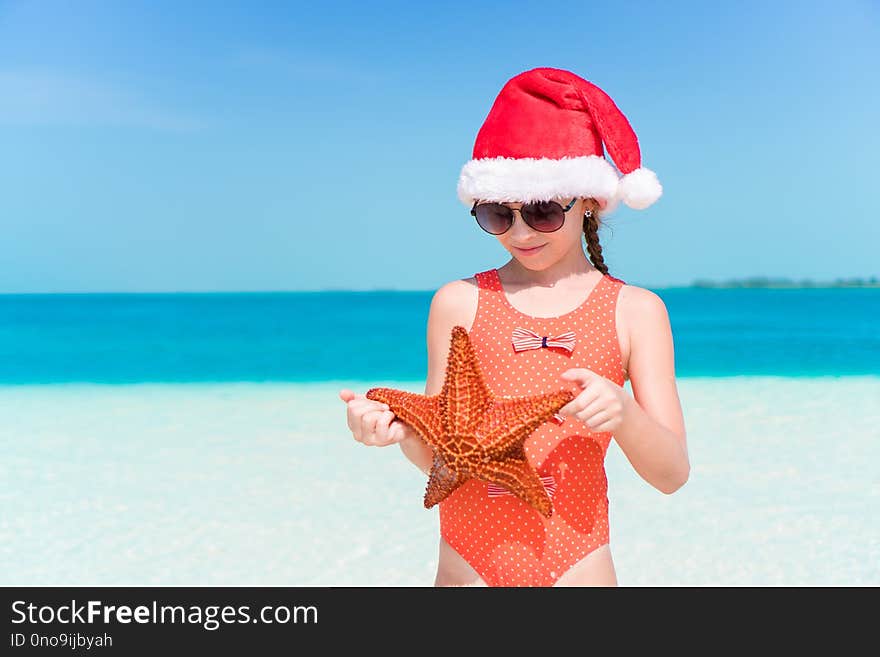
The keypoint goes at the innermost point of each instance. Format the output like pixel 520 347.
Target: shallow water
pixel 244 483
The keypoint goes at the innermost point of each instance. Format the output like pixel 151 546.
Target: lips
pixel 529 251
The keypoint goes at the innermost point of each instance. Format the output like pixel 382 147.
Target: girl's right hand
pixel 372 423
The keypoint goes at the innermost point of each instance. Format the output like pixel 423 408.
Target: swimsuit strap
pixel 487 280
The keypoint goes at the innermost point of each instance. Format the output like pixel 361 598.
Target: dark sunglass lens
pixel 544 216
pixel 493 217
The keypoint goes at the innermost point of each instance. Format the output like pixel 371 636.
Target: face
pixel 536 250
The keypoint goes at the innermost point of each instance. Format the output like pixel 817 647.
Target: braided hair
pixel 591 234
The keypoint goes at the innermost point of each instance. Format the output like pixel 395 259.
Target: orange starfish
pixel 474 433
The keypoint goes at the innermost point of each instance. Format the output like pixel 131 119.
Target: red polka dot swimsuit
pixel 505 540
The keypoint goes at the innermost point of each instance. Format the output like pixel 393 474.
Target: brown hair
pixel 591 234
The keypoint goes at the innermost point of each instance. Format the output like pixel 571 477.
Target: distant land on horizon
pixel 746 282
pixel 770 281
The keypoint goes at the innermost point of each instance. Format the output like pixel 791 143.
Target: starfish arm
pixel 420 412
pixel 465 397
pixel 441 482
pixel 520 478
pixel 510 421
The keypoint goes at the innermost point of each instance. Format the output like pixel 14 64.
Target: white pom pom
pixel 639 188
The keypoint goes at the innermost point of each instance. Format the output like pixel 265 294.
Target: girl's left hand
pixel 600 405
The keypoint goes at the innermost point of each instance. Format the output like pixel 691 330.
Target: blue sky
pixel 202 146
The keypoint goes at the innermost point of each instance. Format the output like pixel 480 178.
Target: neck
pixel 573 265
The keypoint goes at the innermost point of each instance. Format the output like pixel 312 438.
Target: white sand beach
pixel 261 484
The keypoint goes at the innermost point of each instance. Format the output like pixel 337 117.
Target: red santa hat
pixel 543 139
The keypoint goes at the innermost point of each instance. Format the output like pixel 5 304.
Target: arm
pixel 416 450
pixel 652 433
pixel 441 318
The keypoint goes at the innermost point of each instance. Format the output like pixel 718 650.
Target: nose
pixel 519 226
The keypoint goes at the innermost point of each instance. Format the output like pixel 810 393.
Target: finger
pixel 579 403
pixel 361 406
pixel 580 375
pixel 395 432
pixel 401 430
pixel 593 414
pixel 596 420
pixel 355 412
pixel 368 425
pixel 354 423
pixel 348 395
pixel 368 421
pixel 357 416
pixel 382 428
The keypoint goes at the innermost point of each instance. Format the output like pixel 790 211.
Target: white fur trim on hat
pixel 509 179
pixel 639 188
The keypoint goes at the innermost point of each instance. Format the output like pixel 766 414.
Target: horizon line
pixel 755 282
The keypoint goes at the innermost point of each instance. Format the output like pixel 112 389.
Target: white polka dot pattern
pixel 507 542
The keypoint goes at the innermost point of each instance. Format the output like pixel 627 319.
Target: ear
pixel 590 204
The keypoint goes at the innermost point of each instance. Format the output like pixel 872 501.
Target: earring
pixel 588 214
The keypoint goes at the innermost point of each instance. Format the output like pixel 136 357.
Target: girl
pixel 551 317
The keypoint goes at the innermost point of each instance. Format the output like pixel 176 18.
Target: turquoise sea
pixel 199 439
pixel 320 336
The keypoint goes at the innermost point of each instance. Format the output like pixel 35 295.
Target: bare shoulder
pixel 455 303
pixel 642 319
pixel 641 308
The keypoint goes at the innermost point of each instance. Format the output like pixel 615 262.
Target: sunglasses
pixel 542 216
